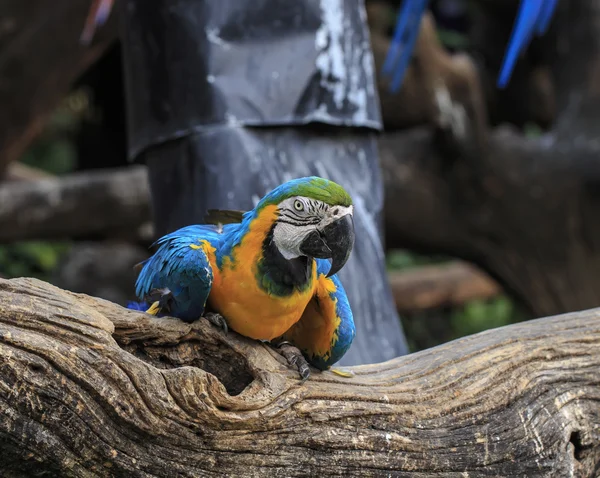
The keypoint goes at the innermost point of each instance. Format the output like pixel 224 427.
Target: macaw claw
pixel 295 358
pixel 217 320
pixel 161 300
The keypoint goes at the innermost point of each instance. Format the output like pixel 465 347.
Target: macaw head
pixel 315 220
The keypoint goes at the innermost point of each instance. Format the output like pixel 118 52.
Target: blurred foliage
pixel 453 40
pixel 54 155
pixel 31 259
pixel 479 315
pixel 532 130
pixel 53 151
pixel 401 259
pixel 430 328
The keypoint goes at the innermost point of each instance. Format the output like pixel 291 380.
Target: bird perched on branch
pixel 533 18
pixel 263 273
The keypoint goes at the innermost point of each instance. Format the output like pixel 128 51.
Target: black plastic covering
pixel 228 99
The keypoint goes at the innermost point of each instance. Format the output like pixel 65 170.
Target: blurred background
pixel 490 204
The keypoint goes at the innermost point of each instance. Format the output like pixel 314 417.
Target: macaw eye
pixel 298 205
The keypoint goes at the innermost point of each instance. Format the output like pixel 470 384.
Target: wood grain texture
pixel 88 388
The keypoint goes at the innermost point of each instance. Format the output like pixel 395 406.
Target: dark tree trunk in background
pixel 114 203
pixel 101 140
pixel 577 72
pixel 222 102
pixel 526 210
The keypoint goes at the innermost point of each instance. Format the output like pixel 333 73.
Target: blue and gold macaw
pixel 265 276
pixel 533 17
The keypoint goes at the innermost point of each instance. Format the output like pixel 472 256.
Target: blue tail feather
pixel 521 35
pixel 143 306
pixel 533 18
pixel 545 17
pixel 405 37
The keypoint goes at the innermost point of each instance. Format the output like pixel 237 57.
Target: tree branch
pixel 434 286
pixel 106 391
pixel 76 205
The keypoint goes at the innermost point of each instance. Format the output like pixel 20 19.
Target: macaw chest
pixel 254 312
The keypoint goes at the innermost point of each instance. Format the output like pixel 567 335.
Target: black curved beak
pixel 335 241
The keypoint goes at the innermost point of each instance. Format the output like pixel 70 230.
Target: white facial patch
pixel 288 239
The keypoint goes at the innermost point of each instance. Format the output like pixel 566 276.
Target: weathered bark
pixel 435 286
pixel 88 388
pixel 76 205
pixel 40 58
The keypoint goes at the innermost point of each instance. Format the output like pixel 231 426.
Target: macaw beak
pixel 335 241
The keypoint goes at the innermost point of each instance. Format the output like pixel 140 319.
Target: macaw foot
pixel 343 373
pixel 294 357
pixel 217 320
pixel 161 300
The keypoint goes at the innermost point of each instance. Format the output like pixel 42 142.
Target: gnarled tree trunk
pixel 88 388
pixel 524 212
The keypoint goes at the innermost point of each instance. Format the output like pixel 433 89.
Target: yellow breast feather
pixel 316 332
pixel 248 309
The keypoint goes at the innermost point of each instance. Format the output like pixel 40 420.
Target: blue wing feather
pixel 396 43
pixel 186 271
pixel 546 14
